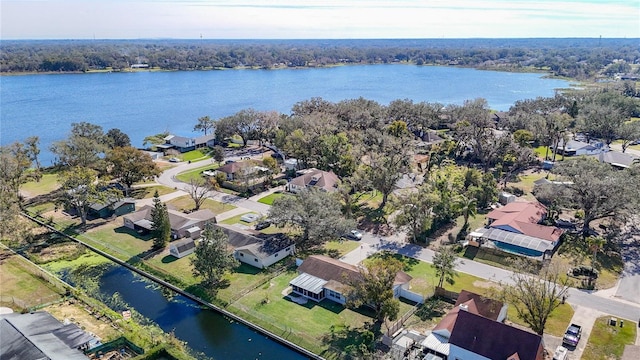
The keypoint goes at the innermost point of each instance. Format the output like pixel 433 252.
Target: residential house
pixel 322 277
pixel 112 208
pixel 182 225
pixel 576 148
pixel 38 335
pixel 515 228
pixel 257 249
pixel 184 144
pixel 437 341
pixel 476 337
pixel 428 139
pixel 617 159
pixel 181 248
pixel 314 178
pixel 241 170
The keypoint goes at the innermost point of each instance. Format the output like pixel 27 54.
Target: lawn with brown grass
pixel 77 314
pixel 186 203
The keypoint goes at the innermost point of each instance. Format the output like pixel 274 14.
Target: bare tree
pixel 536 296
pixel 198 189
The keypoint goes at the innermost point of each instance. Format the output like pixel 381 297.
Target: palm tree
pixel 444 262
pixel 468 208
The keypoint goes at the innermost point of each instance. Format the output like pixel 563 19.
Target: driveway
pixel 629 285
pixel 585 317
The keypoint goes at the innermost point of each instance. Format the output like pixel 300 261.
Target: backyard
pixel 185 202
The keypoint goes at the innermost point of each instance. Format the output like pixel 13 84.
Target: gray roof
pixel 259 245
pixel 183 245
pixel 40 336
pixel 309 283
pixel 616 158
pixel 508 237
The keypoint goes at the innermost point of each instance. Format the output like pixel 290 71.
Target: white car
pixel 355 235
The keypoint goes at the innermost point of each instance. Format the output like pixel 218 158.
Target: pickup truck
pixel 572 335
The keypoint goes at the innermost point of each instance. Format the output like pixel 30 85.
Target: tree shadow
pixel 353 342
pixel 143 235
pixel 168 259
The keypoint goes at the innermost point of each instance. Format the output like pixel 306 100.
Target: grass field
pixel 269 308
pixel 118 240
pixel 148 191
pixel 186 203
pixel 608 342
pixel 269 199
pixel 19 282
pixel 179 268
pixel 47 184
pixel 342 246
pixel 195 173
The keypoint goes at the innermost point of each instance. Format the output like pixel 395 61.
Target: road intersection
pixel 605 301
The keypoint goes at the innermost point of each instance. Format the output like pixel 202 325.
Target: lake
pixel 146 103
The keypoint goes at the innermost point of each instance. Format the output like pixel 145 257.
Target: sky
pixel 317 19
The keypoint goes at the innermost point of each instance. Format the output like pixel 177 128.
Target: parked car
pixel 560 353
pixel 174 160
pixel 262 225
pixel 572 335
pixel 354 235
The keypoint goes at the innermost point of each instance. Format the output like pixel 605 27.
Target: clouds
pixel 318 19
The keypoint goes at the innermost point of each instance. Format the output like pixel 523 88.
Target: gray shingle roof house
pixel 575 147
pixel 184 144
pixel 182 225
pixel 322 277
pixel 110 208
pixel 314 178
pixel 39 335
pixel 257 249
pixel 617 159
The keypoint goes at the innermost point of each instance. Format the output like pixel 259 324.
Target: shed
pixel 182 248
pixel 506 198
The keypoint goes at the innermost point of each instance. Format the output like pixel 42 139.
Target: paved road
pixel 601 302
pixel 370 243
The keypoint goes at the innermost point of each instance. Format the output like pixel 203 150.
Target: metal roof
pixel 525 241
pixel 437 343
pixel 308 282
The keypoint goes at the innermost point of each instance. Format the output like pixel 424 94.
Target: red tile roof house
pixel 314 178
pixel 474 329
pixel 515 228
pixel 182 225
pixel 322 277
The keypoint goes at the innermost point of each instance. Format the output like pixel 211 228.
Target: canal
pixel 204 330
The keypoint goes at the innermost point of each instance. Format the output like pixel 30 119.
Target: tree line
pixel 574 58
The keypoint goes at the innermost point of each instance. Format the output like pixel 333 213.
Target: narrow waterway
pixel 205 331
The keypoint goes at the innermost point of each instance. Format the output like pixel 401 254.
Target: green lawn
pixel 607 342
pixel 305 324
pixel 198 154
pixel 540 151
pixel 236 220
pixel 195 173
pixel 178 268
pixel 269 199
pixel 242 279
pixel 342 246
pixel 18 281
pixel 118 240
pixel 47 184
pixel 186 203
